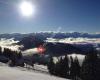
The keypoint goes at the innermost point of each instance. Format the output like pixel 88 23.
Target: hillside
pixel 8 73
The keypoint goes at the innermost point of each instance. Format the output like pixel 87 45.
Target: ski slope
pixel 8 73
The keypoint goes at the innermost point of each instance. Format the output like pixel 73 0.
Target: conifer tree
pixel 65 67
pixel 88 70
pixel 0 51
pixel 51 66
pixel 72 69
pixel 76 68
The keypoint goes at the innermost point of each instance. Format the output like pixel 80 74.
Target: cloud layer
pixel 74 40
pixel 10 43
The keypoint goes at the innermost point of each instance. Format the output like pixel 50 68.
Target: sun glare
pixel 26 8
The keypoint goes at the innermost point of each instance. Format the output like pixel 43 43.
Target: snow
pixel 74 40
pixel 10 43
pixel 9 73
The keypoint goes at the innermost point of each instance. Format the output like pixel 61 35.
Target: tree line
pixel 89 70
pixel 66 67
pixel 13 58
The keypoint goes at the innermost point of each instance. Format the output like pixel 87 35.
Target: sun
pixel 27 8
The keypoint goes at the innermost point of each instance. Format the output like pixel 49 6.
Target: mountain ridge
pixel 44 35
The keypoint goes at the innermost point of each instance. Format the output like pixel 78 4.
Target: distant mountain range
pixel 33 40
pixel 44 35
pixel 57 49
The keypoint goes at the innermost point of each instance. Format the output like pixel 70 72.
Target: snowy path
pixel 8 73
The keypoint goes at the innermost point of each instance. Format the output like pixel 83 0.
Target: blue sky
pixel 69 15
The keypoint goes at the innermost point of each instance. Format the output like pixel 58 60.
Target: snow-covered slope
pixel 8 73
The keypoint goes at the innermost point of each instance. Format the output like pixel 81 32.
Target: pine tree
pixel 97 70
pixel 88 70
pixel 65 67
pixel 72 69
pixel 62 67
pixel 51 66
pixel 77 68
pixel 0 51
pixel 58 68
pixel 19 55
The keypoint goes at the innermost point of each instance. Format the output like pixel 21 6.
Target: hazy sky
pixel 50 15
